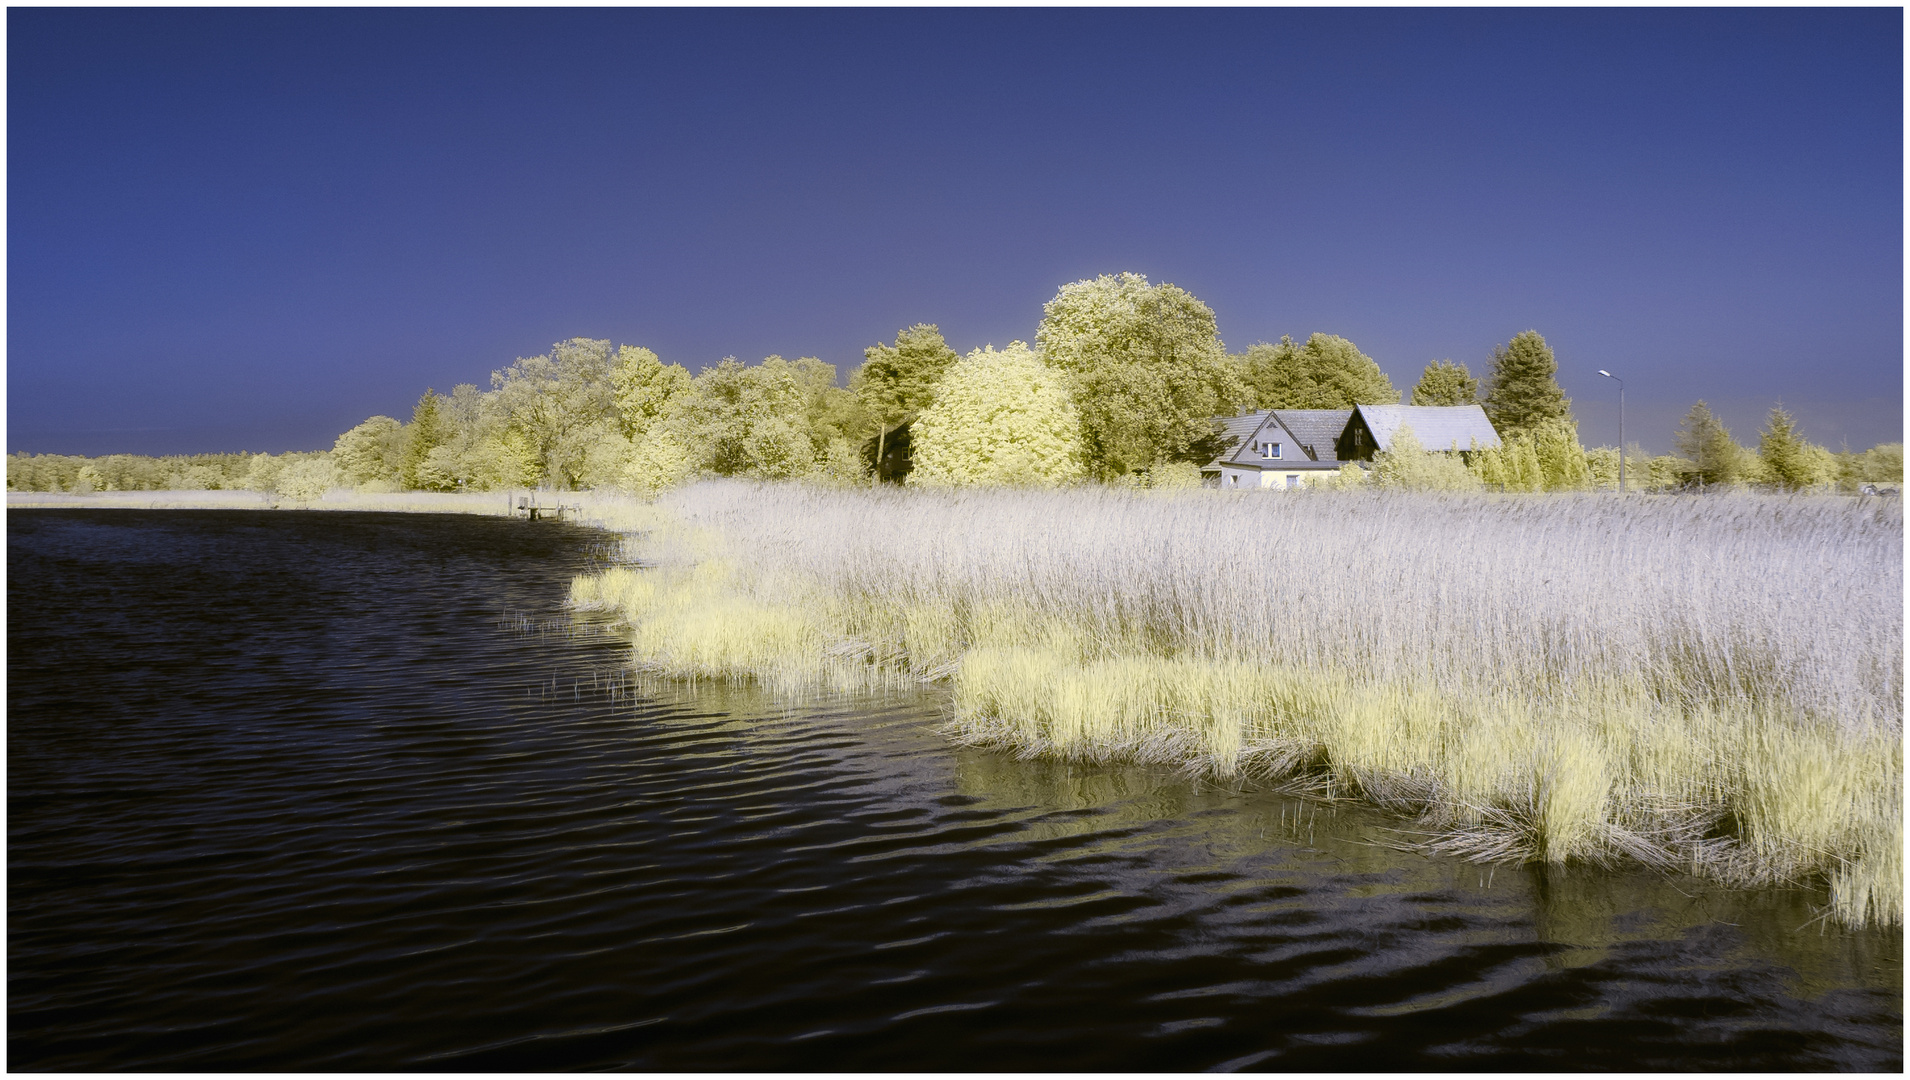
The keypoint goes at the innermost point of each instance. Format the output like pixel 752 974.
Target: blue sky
pixel 251 229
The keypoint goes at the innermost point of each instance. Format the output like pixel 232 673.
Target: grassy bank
pixel 1711 683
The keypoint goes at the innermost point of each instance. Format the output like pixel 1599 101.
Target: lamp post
pixel 1621 427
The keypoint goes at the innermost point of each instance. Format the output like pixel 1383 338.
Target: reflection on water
pixel 1586 910
pixel 1660 932
pixel 348 813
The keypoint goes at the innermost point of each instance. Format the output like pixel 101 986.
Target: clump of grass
pixel 1712 683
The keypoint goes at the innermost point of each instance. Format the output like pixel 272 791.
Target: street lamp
pixel 1621 427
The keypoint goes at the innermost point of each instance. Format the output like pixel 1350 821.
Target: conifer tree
pixel 1789 461
pixel 426 432
pixel 1523 388
pixel 1711 455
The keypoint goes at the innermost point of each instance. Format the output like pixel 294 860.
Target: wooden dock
pixel 528 507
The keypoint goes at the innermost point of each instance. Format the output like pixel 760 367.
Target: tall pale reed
pixel 1711 682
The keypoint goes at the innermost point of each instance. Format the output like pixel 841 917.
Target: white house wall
pixel 1259 480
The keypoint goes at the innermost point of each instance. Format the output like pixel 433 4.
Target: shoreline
pixel 612 511
pixel 497 503
pixel 1574 680
pixel 1692 747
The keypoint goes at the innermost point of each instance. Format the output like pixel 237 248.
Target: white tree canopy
pixel 1000 418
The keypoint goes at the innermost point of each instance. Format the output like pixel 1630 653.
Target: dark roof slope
pixel 1242 454
pixel 1316 429
pixel 1236 430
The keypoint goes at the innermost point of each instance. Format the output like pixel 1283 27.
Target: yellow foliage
pixel 1000 418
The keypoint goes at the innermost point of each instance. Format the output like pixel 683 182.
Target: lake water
pixel 326 791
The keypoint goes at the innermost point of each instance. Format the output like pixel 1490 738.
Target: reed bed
pixel 1712 683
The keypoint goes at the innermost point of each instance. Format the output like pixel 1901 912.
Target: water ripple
pixel 347 791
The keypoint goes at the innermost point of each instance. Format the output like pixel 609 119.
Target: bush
pixel 1408 467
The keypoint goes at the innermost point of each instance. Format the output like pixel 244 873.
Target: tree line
pixel 1121 385
pixel 1541 449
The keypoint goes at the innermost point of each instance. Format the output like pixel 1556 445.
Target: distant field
pixel 1707 682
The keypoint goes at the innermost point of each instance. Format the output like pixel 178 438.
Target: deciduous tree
pixel 1328 372
pixel 1561 456
pixel 560 405
pixel 776 420
pixel 1882 464
pixel 644 386
pixel 1602 463
pixel 1513 466
pixel 1001 418
pixel 305 477
pixel 1147 369
pixel 1445 383
pixel 896 382
pixel 372 452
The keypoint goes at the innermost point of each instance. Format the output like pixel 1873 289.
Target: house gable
pixel 1269 445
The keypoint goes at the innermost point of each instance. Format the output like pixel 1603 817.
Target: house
pixel 1277 448
pixel 1286 448
pixel 1370 429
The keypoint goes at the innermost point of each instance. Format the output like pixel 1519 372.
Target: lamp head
pixel 1605 373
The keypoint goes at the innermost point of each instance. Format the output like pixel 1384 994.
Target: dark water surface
pixel 300 791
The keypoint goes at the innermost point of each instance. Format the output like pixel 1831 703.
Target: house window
pixel 1293 481
pixel 1270 450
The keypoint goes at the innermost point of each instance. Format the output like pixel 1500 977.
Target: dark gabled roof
pixel 1244 453
pixel 1235 430
pixel 1437 427
pixel 1316 429
pixel 1243 456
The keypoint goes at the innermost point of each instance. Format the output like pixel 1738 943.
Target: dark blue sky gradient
pixel 251 229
